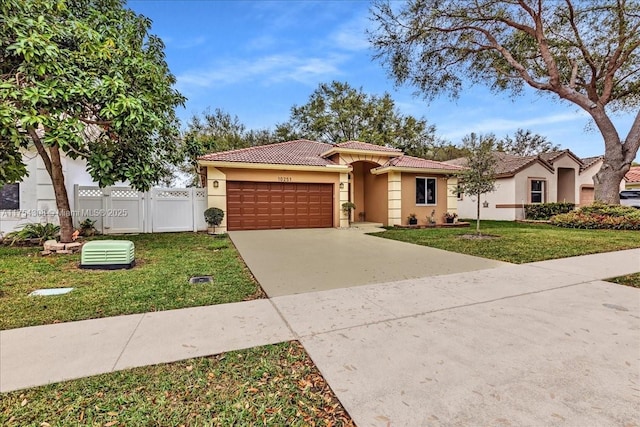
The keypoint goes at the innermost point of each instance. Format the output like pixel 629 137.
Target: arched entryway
pixel 368 192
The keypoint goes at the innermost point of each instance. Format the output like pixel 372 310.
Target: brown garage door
pixel 275 205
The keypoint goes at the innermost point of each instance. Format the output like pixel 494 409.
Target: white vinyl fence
pixel 118 210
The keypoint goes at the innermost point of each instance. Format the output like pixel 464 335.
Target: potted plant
pixel 214 217
pixel 347 207
pixel 450 217
pixel 413 219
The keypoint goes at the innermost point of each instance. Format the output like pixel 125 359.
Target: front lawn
pixel 159 281
pixel 519 243
pixel 275 385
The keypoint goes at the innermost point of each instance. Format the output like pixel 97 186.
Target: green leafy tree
pixel 584 52
pixel 441 151
pixel 84 78
pixel 479 177
pixel 337 112
pixel 526 143
pixel 217 131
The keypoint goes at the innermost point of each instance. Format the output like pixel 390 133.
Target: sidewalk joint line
pixel 284 319
pixel 113 368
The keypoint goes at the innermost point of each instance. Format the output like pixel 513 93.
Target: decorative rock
pixel 63 251
pixel 49 243
pixel 45 253
pixel 72 246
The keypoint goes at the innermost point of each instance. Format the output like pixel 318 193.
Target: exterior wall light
pixel 342 185
pixel 216 184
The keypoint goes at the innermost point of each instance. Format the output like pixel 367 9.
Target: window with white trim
pixel 537 191
pixel 425 191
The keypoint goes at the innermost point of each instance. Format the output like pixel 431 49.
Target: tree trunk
pixel 62 198
pixel 53 164
pixel 478 215
pixel 607 181
pixel 618 157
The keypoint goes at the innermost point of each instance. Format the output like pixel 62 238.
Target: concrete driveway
pixel 289 262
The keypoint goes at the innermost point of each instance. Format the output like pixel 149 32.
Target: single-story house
pixel 632 178
pixel 303 184
pixel 33 200
pixel 558 176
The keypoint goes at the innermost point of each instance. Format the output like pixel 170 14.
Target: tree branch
pixel 41 150
pixel 632 142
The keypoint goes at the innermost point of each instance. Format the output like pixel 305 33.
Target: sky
pixel 256 59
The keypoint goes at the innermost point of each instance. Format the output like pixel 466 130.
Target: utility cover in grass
pixel 201 279
pixel 48 292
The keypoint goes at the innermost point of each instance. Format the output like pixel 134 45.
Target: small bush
pixel 541 211
pixel 213 216
pixel 600 216
pixel 43 232
pixel 610 210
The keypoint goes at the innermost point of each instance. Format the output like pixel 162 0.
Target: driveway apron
pixel 289 262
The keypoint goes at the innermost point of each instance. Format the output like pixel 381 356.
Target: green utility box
pixel 108 254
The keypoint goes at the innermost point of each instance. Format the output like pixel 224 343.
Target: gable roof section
pixel 301 152
pixel 507 165
pixel 633 175
pixel 510 164
pixel 587 162
pixel 416 164
pixel 357 147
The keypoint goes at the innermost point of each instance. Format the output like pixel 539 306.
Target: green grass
pixel 519 243
pixel 273 385
pixel 632 280
pixel 159 281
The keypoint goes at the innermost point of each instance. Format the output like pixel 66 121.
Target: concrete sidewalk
pixel 539 344
pixel 51 353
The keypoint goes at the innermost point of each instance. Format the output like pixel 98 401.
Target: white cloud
pixel 351 35
pixel 499 125
pixel 269 69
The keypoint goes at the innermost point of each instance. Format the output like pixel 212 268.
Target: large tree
pixel 580 51
pixel 84 78
pixel 337 112
pixel 526 143
pixel 217 131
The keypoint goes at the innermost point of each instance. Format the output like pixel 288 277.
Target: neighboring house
pixel 632 178
pixel 559 176
pixel 33 199
pixel 303 184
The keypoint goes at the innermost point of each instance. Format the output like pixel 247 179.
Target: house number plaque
pixel 285 179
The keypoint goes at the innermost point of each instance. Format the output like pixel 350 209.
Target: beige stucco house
pixel 303 184
pixel 558 176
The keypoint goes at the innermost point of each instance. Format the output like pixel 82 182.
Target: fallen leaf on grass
pixel 24 402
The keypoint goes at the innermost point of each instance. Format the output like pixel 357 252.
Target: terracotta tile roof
pixel 300 152
pixel 418 163
pixel 553 155
pixel 633 175
pixel 589 161
pixel 358 145
pixel 506 164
